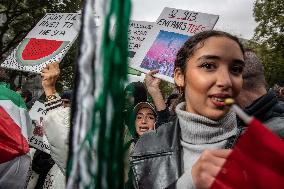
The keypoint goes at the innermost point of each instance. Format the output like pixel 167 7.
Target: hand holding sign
pixel 153 87
pixel 152 83
pixel 50 75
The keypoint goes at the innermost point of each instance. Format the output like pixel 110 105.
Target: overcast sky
pixel 235 16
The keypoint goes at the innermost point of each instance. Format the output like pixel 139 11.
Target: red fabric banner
pixel 12 142
pixel 257 161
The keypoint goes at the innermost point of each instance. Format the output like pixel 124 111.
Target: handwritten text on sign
pixel 137 33
pixel 185 21
pixel 57 26
pixel 38 138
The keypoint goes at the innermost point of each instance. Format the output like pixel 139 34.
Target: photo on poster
pixel 161 55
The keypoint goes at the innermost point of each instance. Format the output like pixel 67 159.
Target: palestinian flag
pixel 97 153
pixel 14 147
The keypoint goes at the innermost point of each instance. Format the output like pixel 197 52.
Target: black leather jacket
pixel 156 159
pixel 269 110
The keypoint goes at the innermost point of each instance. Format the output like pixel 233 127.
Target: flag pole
pixel 244 116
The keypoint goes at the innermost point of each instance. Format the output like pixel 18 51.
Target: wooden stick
pixel 244 116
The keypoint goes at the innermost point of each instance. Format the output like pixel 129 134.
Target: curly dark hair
pixel 191 45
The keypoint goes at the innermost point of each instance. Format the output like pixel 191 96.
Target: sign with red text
pixel 171 30
pixel 38 139
pixel 47 42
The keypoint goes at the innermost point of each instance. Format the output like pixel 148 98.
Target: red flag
pixel 257 161
pixel 12 142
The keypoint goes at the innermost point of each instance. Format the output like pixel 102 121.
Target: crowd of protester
pixel 180 141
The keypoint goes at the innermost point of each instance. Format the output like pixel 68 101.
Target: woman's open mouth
pixel 143 128
pixel 219 99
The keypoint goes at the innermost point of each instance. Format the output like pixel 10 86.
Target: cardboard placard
pixel 137 33
pixel 172 29
pixel 38 138
pixel 47 42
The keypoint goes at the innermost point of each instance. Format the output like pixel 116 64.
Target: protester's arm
pixel 57 125
pixel 153 88
pixel 152 85
pixel 57 119
pixel 204 170
pixel 163 116
pixel 50 75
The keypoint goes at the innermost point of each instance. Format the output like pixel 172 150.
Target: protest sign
pixel 47 42
pixel 137 33
pixel 38 138
pixel 172 29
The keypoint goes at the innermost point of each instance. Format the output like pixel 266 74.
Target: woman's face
pixel 145 121
pixel 213 73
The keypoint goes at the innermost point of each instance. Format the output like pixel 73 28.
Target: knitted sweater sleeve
pixel 57 126
pixel 185 181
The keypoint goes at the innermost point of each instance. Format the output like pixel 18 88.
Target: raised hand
pixel 50 75
pixel 152 83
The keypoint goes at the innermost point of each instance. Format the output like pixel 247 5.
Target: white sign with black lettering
pixel 137 33
pixel 47 42
pixel 38 138
pixel 57 26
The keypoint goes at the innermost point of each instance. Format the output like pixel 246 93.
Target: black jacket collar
pixel 261 108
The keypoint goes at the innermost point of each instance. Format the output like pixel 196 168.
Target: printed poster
pixel 38 139
pixel 172 29
pixel 47 42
